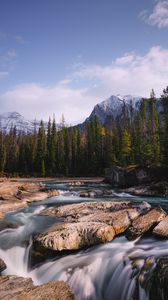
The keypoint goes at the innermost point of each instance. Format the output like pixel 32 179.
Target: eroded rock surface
pixel 19 288
pixel 74 236
pixel 120 220
pixel 15 195
pixel 57 290
pixel 88 223
pixel 162 228
pixel 85 208
pixel 10 286
pixel 145 222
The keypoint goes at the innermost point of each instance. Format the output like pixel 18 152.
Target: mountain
pixel 14 119
pixel 115 107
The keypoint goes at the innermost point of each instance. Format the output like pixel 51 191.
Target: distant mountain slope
pixel 114 107
pixel 14 119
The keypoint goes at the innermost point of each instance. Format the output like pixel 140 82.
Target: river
pixel 119 270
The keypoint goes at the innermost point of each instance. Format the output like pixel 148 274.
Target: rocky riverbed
pixel 59 238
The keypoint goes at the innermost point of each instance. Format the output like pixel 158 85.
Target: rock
pixel 2 215
pixel 120 220
pixel 50 291
pixel 158 281
pixel 159 188
pixel 74 236
pixel 115 176
pixel 78 210
pixel 76 183
pixel 11 286
pixel 12 205
pixel 53 193
pixel 19 288
pixel 96 193
pixel 145 222
pixel 162 228
pixel 4 226
pixel 135 175
pixel 2 265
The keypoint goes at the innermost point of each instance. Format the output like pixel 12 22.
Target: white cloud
pixel 159 16
pixel 40 102
pixel 129 74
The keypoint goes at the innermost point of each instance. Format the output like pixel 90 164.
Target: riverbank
pixel 17 193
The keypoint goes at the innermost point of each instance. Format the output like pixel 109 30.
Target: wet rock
pixel 53 193
pixel 89 194
pixel 158 282
pixel 149 181
pixel 2 265
pixel 145 222
pixel 74 236
pixel 19 288
pixel 158 189
pixel 4 226
pixel 95 193
pixel 162 228
pixel 76 183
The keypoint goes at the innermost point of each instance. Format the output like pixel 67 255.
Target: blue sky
pixel 64 56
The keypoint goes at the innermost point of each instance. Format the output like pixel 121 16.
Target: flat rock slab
pixel 19 288
pixel 2 265
pixel 74 236
pixel 120 220
pixel 6 206
pixel 162 228
pixel 145 222
pixel 85 208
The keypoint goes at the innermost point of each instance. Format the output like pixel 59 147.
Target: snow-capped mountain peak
pixel 113 106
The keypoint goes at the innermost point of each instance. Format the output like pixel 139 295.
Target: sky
pixel 64 56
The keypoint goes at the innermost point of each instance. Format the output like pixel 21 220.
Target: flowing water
pixel 119 270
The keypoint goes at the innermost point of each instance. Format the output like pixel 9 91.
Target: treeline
pixel 140 138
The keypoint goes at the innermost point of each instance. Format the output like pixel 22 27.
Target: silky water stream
pixel 119 270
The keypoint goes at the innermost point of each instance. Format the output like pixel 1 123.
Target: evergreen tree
pixel 164 136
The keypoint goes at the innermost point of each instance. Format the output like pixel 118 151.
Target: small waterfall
pixel 16 259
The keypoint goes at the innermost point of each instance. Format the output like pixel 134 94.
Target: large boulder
pixel 134 175
pixel 88 223
pixel 74 236
pixel 145 222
